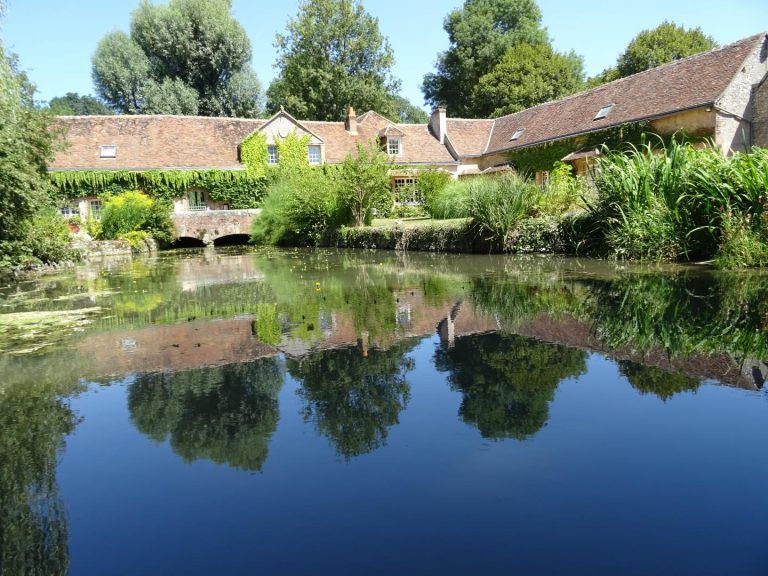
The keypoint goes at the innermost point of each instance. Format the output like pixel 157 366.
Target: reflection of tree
pixel 653 380
pixel 33 529
pixel 226 414
pixel 507 381
pixel 353 398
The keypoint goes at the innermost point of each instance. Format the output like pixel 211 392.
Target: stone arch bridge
pixel 208 226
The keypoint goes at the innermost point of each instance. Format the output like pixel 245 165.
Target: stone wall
pixel 212 224
pixel 760 118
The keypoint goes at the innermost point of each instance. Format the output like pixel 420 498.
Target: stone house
pixel 721 94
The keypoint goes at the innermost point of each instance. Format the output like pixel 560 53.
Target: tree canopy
pixel 480 34
pixel 651 48
pixel 333 56
pixel 527 75
pixel 186 57
pixel 73 104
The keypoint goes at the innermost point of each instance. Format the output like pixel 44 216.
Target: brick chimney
pixel 351 122
pixel 438 124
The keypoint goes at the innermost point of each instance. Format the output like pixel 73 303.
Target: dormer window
pixel 108 151
pixel 394 145
pixel 272 156
pixel 517 134
pixel 604 111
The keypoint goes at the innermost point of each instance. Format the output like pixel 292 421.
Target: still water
pixel 339 412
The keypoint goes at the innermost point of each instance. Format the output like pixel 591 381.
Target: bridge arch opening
pixel 188 242
pixel 232 240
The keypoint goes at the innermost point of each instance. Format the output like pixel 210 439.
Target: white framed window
pixel 313 154
pixel 94 209
pixel 272 156
pixel 394 145
pixel 517 134
pixel 108 151
pixel 197 199
pixel 69 211
pixel 604 111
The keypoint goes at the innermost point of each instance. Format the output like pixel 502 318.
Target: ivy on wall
pixel 253 154
pixel 544 156
pixel 238 189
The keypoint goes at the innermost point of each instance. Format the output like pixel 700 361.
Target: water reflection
pixel 33 525
pixel 353 395
pixel 226 414
pixel 507 382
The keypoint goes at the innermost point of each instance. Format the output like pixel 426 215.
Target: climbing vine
pixel 237 188
pixel 254 155
pixel 544 156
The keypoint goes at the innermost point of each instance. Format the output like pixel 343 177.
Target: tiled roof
pixel 684 84
pixel 469 137
pixel 152 142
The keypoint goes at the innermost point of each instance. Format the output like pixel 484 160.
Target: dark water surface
pixel 326 412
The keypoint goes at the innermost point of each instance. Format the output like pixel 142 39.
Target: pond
pixel 230 411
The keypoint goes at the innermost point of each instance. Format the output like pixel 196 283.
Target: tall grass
pixel 452 201
pixel 498 204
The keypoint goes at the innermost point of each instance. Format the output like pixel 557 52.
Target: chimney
pixel 351 122
pixel 438 124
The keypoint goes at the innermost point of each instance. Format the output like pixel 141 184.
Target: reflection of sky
pixel 616 482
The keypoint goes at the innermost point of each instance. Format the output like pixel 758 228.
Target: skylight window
pixel 108 151
pixel 517 134
pixel 604 111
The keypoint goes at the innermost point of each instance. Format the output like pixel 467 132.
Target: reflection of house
pixel 720 94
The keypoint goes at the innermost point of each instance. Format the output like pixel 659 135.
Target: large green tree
pixel 526 76
pixel 651 48
pixel 480 33
pixel 186 57
pixel 332 56
pixel 73 104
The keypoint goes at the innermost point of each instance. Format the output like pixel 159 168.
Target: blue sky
pixel 55 39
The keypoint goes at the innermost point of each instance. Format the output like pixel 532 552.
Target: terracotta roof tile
pixel 469 137
pixel 680 85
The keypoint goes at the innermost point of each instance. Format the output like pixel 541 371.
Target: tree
pixel 186 57
pixel 72 104
pixel 354 399
pixel 507 381
pixel 526 76
pixel 480 34
pixel 226 414
pixel 332 56
pixel 27 147
pixel 651 48
pixel 407 113
pixel 365 182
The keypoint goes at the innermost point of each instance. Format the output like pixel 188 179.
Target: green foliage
pixel 545 156
pixel 653 380
pixel 267 326
pixel 292 154
pixel 238 189
pixel 365 183
pixel 431 183
pixel 525 76
pixel 507 382
pixel 298 209
pixel 44 239
pixel 498 204
pixel 741 246
pixel 333 56
pixel 353 397
pixel 409 211
pixel 665 43
pixel 184 57
pixel 132 212
pixel 254 154
pixel 405 112
pixel 452 201
pixel 480 34
pixel 226 414
pixel 563 192
pixel 73 104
